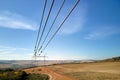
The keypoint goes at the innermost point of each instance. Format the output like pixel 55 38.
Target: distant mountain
pixel 4 62
pixel 114 59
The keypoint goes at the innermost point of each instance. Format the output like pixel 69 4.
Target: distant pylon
pixel 38 56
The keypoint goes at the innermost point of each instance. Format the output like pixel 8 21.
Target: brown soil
pixel 53 74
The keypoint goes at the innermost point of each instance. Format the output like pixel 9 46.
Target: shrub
pixel 10 74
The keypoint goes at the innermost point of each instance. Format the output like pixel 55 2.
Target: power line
pixel 52 24
pixel 45 24
pixel 60 25
pixel 40 25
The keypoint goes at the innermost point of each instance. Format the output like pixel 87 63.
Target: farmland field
pixel 90 71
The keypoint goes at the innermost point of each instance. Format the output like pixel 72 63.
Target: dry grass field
pixel 90 71
pixel 103 70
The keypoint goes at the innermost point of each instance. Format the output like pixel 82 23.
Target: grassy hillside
pixel 90 71
pixel 114 59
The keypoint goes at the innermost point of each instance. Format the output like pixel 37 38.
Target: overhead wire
pixel 45 2
pixel 45 24
pixel 60 25
pixel 52 24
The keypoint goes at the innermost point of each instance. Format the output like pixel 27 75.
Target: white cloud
pixel 102 32
pixel 10 53
pixel 76 20
pixel 16 21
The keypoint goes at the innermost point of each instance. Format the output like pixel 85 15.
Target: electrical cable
pixel 60 26
pixel 45 23
pixel 52 24
pixel 40 26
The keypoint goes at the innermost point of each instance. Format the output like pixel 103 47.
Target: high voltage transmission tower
pixel 37 57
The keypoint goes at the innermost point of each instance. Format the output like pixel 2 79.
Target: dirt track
pixel 53 75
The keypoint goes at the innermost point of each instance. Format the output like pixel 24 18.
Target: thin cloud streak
pixel 16 21
pixel 14 56
pixel 12 48
pixel 14 53
pixel 103 32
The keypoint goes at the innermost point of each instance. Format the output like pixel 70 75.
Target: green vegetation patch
pixel 37 77
pixel 10 74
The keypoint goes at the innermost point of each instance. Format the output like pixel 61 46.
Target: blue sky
pixel 91 32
